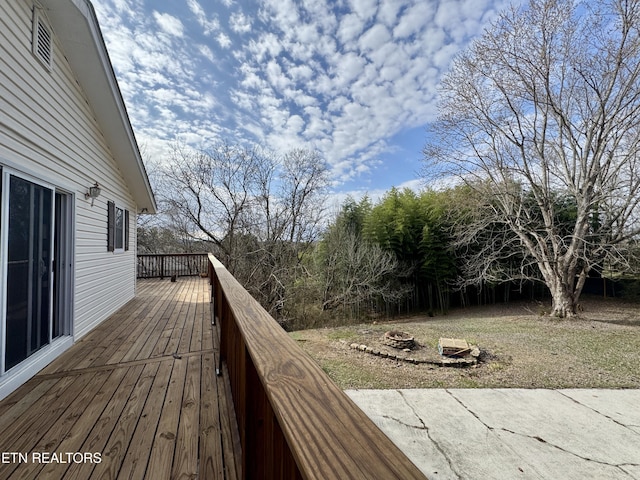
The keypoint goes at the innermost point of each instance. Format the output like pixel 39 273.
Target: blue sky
pixel 354 79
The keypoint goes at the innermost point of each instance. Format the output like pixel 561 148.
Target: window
pixel 117 228
pixel 42 42
pixel 119 240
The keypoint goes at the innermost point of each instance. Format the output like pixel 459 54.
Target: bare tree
pixel 360 272
pixel 260 211
pixel 354 271
pixel 546 104
pixel 207 193
pixel 304 181
pixel 286 220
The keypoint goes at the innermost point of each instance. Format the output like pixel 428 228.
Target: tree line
pixel 265 217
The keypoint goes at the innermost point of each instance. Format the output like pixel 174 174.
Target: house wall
pixel 48 130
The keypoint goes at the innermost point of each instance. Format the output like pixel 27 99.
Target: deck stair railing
pixel 293 420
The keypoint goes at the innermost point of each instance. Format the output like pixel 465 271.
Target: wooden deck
pixel 140 392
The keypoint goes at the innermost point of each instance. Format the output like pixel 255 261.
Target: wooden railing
pixel 168 264
pixel 293 420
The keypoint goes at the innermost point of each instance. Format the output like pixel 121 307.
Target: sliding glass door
pixel 29 272
pixel 62 266
pixel 36 301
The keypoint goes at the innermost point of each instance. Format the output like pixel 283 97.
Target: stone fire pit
pixel 399 340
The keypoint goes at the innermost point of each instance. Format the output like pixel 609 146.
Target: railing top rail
pixel 328 435
pixel 182 254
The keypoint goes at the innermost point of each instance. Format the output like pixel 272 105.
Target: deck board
pixel 96 423
pixel 140 390
pixel 185 464
pixel 137 457
pixel 211 463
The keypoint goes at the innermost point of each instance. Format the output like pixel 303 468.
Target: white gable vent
pixel 42 41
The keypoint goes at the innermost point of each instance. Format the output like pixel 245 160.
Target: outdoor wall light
pixel 93 193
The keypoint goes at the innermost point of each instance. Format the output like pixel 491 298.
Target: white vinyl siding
pixel 48 130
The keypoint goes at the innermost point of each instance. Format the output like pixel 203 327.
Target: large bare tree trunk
pixel 564 303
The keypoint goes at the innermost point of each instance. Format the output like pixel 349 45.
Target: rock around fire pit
pixel 402 347
pixel 399 340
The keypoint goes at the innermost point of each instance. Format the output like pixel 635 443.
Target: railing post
pixel 218 316
pixel 210 276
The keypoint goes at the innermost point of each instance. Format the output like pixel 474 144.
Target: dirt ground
pixel 520 348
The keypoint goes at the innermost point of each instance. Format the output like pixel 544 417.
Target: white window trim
pixel 118 206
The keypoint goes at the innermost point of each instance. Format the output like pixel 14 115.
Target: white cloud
pixel 124 7
pixel 365 9
pixel 351 27
pixel 302 99
pixel 275 76
pixel 223 40
pixel 374 38
pixel 300 73
pixel 206 52
pixel 342 77
pixel 348 68
pixel 294 124
pixel 388 11
pixel 266 45
pixel 307 34
pixel 415 18
pixel 240 23
pixel 281 14
pixel 169 24
pixel 209 25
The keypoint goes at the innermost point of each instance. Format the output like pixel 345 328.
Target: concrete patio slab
pixel 511 433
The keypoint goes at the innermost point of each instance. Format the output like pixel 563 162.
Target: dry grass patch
pixel 521 349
